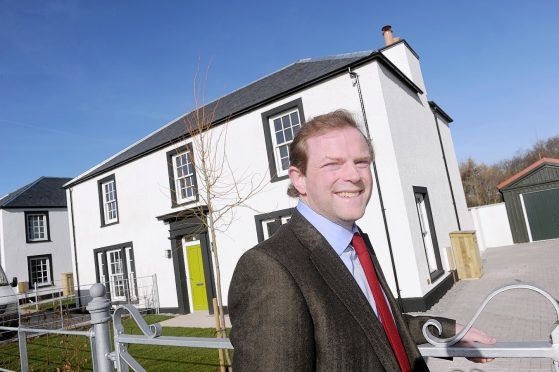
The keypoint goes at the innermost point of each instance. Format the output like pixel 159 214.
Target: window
pixel 37 226
pixel 40 270
pixel 114 267
pixel 182 176
pixel 108 200
pixel 280 126
pixel 267 224
pixel 428 235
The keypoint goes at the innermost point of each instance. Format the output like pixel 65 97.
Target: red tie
pixel 382 306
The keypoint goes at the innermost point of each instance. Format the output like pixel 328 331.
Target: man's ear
pixel 298 180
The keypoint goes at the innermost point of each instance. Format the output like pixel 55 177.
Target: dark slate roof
pixel 46 192
pixel 288 80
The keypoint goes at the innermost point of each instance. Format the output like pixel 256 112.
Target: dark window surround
pixel 172 190
pixel 268 216
pixel 298 104
pixel 49 257
pixel 47 227
pixel 101 205
pixel 439 271
pixel 122 247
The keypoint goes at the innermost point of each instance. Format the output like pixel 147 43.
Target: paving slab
pixel 517 315
pixel 197 319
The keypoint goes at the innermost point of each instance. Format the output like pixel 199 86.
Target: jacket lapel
pixel 341 282
pixel 409 343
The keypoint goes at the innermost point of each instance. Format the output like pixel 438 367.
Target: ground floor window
pixel 267 224
pixel 428 235
pixel 40 270
pixel 115 268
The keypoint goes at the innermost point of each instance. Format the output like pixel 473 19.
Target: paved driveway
pixel 518 315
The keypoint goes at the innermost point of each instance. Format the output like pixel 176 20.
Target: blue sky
pixel 81 80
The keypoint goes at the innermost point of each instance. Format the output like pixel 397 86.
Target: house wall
pixel 15 249
pixel 492 226
pixel 419 163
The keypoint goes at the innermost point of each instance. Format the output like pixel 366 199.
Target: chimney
pixel 388 38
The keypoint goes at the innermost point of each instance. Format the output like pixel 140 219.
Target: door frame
pixel 186 223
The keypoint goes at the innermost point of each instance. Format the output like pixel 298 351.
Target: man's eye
pixel 363 164
pixel 331 165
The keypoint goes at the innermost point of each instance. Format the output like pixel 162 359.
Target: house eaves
pixel 438 110
pixel 287 81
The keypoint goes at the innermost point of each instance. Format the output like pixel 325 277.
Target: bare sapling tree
pixel 221 188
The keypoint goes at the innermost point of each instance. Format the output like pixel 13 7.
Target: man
pixel 312 297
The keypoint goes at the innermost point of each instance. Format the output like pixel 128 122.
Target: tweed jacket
pixel 294 306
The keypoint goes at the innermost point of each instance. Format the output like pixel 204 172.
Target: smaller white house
pixel 34 237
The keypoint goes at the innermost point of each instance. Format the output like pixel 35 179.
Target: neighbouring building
pixel 137 213
pixel 34 238
pixel 532 200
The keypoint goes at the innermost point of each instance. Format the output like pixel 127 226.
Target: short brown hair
pixel 318 125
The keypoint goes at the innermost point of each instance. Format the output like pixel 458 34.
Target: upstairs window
pixel 182 175
pixel 280 126
pixel 108 201
pixel 37 226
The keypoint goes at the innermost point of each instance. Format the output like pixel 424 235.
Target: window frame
pixel 438 270
pixel 176 201
pixel 48 257
pixel 102 201
pixel 27 214
pixel 282 216
pixel 273 162
pixel 129 273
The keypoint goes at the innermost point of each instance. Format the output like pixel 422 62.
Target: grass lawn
pixel 47 353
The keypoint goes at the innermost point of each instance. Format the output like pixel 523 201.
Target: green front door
pixel 542 210
pixel 196 277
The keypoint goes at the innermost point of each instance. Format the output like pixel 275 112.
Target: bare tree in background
pixel 221 189
pixel 480 180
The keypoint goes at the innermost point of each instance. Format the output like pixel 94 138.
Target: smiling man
pixel 313 297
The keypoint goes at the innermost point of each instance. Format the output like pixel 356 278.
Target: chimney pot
pixel 387 33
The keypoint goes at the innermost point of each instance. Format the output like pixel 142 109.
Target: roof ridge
pixel 361 53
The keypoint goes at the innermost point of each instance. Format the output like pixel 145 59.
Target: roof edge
pixel 527 170
pixel 21 191
pixel 437 109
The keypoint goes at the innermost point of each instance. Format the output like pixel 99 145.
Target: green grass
pixel 47 353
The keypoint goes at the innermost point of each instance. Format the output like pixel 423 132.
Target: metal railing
pixel 106 360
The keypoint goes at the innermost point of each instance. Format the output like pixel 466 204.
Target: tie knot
pixel 358 244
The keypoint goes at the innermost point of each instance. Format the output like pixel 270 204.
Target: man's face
pixel 338 181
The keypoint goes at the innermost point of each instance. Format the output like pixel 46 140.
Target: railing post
pixel 22 342
pixel 99 308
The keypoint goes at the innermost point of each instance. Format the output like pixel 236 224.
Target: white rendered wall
pixel 466 222
pixel 406 61
pixel 419 160
pixel 492 226
pixel 15 248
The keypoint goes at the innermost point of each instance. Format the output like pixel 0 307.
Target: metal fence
pixel 107 357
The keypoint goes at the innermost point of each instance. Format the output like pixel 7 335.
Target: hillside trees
pixel 480 180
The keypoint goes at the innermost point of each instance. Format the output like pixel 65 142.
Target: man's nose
pixel 351 173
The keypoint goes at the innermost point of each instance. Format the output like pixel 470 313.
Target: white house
pixel 34 237
pixel 135 213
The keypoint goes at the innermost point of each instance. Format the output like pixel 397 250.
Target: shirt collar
pixel 337 236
